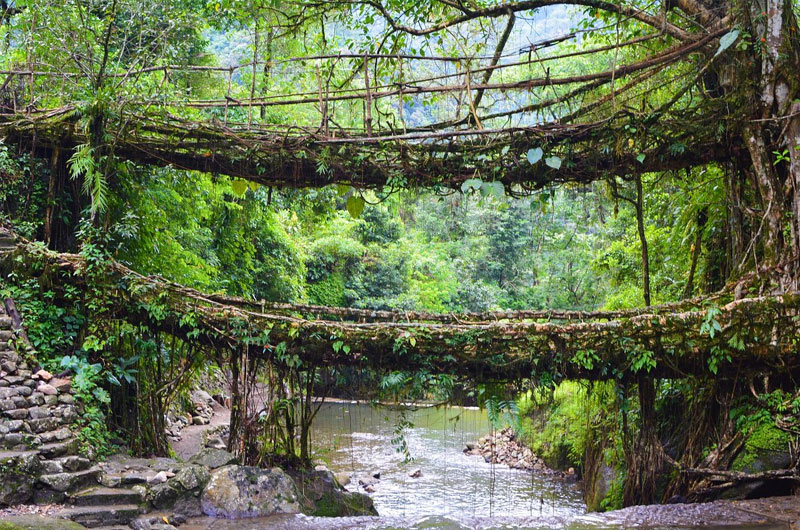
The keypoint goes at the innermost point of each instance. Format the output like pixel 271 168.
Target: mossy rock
pixel 323 496
pixel 767 447
pixel 37 522
pixel 17 478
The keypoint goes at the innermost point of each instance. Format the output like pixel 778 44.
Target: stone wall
pixel 37 446
pixel 36 407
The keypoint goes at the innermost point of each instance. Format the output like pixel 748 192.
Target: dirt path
pixel 192 436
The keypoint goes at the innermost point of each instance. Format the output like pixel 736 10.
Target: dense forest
pixel 624 155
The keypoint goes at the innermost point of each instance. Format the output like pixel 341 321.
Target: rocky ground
pixel 161 493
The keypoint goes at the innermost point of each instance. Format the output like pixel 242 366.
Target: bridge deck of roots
pixel 714 334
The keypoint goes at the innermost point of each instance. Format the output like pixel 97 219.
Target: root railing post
pixel 368 104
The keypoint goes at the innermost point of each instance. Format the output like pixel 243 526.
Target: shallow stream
pixel 456 491
pixel 452 484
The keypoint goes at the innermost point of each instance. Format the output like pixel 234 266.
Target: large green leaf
pixel 239 187
pixel 727 40
pixel 534 155
pixel 355 205
pixel 471 184
pixel 553 162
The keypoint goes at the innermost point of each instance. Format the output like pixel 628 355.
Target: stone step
pixel 99 516
pixel 71 482
pixel 5 322
pixel 126 478
pixel 66 463
pixel 57 449
pixel 101 496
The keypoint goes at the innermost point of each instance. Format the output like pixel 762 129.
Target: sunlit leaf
pixel 727 40
pixel 239 187
pixel 355 205
pixel 534 155
pixel 553 162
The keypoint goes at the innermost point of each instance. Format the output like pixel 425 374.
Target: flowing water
pixel 455 491
pixel 360 438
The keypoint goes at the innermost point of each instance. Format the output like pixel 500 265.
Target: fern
pixel 83 163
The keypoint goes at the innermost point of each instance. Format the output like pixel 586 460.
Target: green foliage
pixel 52 329
pixel 555 421
pixel 328 291
pixel 84 163
pixel 399 441
pixel 93 436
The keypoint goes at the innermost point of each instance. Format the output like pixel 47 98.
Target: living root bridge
pixel 304 158
pixel 750 336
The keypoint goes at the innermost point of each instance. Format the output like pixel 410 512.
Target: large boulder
pixel 236 492
pixel 766 448
pixel 19 474
pixel 213 458
pixel 181 493
pixel 323 496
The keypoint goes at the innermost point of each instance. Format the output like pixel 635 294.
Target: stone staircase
pixel 39 458
pixel 7 241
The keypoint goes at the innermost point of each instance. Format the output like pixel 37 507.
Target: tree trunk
pixel 702 216
pixel 768 64
pixel 646 463
pixel 643 239
pixel 646 460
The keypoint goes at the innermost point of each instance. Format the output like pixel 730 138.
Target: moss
pixel 763 446
pixel 555 426
pixel 327 506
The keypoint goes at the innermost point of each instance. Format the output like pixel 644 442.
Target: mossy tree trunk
pixel 763 78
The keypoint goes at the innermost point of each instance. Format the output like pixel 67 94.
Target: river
pixel 453 485
pixel 456 491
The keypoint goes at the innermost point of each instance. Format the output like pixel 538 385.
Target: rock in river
pixel 323 496
pixel 236 492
